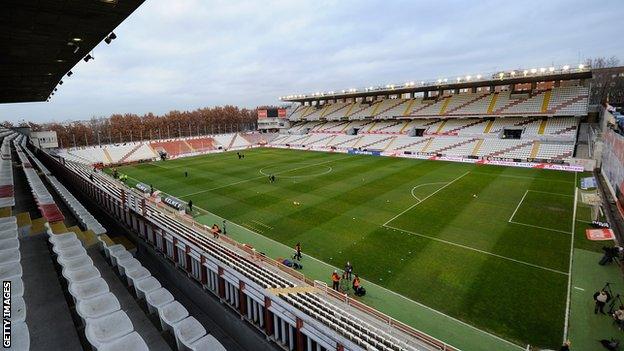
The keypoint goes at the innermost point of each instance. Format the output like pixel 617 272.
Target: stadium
pixel 480 211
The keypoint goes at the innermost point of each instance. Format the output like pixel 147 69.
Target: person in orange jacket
pixel 335 281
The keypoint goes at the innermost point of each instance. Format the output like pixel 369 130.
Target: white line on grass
pixel 476 250
pixel 426 197
pixel 251 179
pixel 566 323
pixel 517 207
pixel 548 192
pixel 521 177
pixel 332 268
pixel 419 185
pixel 577 288
pixel 540 227
pixel 262 224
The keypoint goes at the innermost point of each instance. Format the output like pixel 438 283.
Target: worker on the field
pixel 335 281
pixel 297 252
pixel 356 285
pixel 348 270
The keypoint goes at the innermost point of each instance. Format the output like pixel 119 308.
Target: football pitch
pixel 487 245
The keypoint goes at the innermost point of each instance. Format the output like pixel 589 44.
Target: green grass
pixel 454 252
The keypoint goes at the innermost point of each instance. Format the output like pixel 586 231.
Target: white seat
pixel 98 306
pixel 18 310
pixel 10 270
pixel 9 256
pixel 76 263
pixel 81 275
pixel 137 275
pixel 171 314
pixel 130 342
pixel 186 332
pixel 17 287
pixel 113 248
pixel 9 244
pixel 20 337
pixel 88 289
pixel 108 328
pixel 127 265
pixel 119 255
pixel 11 219
pixel 57 238
pixel 207 343
pixel 8 234
pixel 71 252
pixel 7 226
pixel 146 286
pixel 65 245
pixel 158 298
pixel 74 260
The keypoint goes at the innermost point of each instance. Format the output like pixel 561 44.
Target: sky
pixel 187 54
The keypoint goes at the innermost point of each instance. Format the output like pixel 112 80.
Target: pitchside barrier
pixel 233 271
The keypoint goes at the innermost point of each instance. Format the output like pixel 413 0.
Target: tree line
pixel 129 127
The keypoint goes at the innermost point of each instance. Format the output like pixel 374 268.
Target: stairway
pixel 488 127
pixel 500 152
pixel 492 103
pixel 424 106
pixel 456 108
pixel 542 126
pixel 134 149
pixel 535 149
pixel 546 101
pixel 475 150
pixel 232 142
pixel 107 155
pixel 445 105
pixel 334 126
pixel 441 126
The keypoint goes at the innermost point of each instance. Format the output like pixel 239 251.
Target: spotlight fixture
pixel 69 74
pixel 51 93
pixel 60 82
pixel 55 89
pixel 88 57
pixel 110 38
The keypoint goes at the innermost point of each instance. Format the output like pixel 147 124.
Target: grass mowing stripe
pixel 262 176
pixel 428 196
pixel 476 250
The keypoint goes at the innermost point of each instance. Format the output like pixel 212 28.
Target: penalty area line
pixel 425 198
pixel 476 250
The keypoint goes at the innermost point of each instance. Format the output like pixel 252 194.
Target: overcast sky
pixel 185 54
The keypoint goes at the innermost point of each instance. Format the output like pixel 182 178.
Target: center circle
pixel 308 170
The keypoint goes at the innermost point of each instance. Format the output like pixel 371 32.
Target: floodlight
pixel 69 74
pixel 88 57
pixel 566 67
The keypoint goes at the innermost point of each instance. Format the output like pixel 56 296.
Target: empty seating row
pixel 7 198
pixel 188 332
pixel 11 271
pixel 107 327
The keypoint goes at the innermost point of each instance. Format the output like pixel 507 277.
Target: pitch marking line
pixel 426 197
pixel 577 288
pixel 540 227
pixel 566 323
pixel 332 268
pixel 476 250
pixel 420 185
pixel 517 207
pixel 522 177
pixel 260 177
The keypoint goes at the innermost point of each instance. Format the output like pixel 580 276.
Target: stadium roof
pixel 498 78
pixel 41 41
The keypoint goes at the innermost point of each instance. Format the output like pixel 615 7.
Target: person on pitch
pixel 335 281
pixel 298 252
